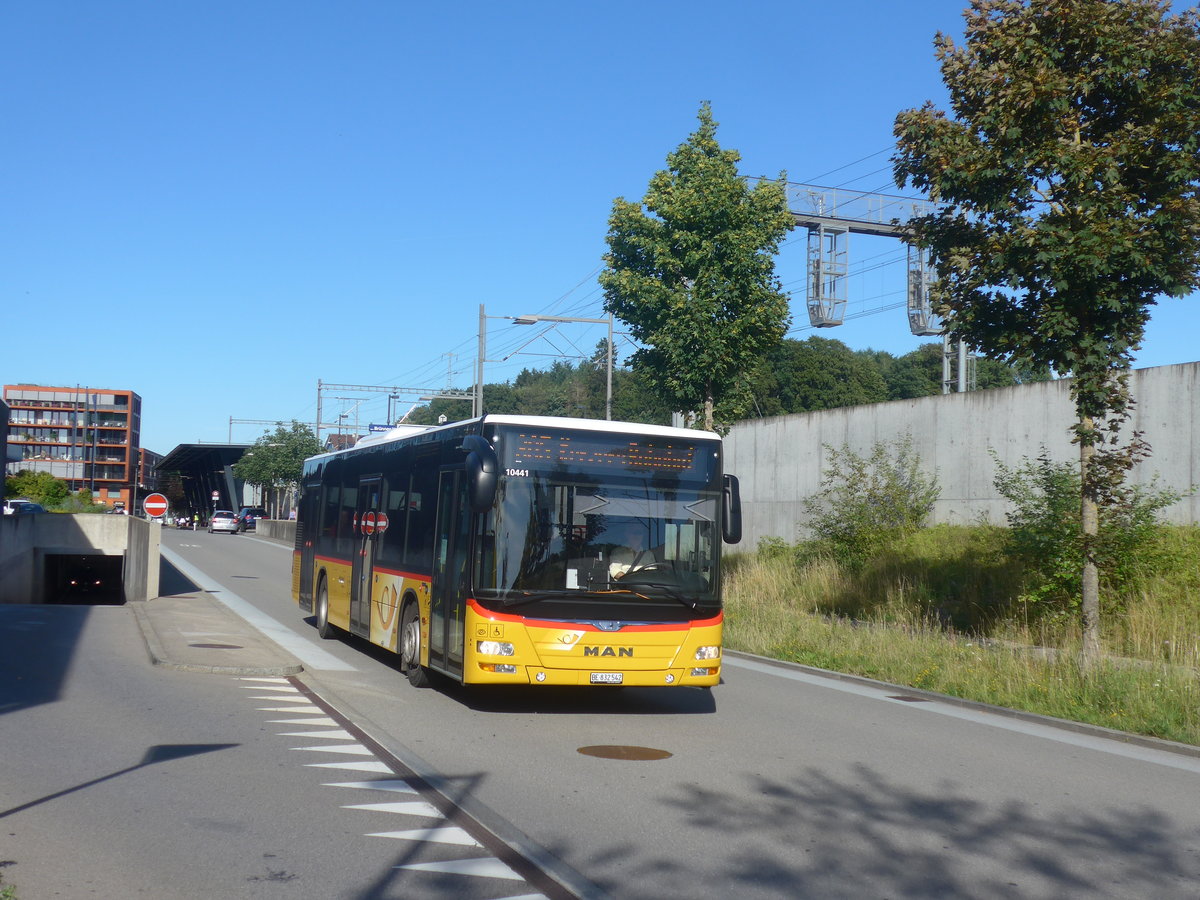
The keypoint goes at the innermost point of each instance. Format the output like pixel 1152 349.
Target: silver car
pixel 223 520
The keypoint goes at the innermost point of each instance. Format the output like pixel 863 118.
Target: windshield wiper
pixel 667 589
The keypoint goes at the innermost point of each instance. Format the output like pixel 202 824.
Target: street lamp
pixel 535 319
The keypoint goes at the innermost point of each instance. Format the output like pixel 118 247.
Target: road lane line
pixel 311 655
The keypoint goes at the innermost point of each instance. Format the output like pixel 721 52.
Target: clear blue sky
pixel 217 204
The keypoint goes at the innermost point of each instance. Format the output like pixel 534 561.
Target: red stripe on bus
pixel 399 573
pixel 544 623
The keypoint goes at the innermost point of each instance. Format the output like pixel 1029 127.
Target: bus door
pixel 308 528
pixel 366 537
pixel 449 589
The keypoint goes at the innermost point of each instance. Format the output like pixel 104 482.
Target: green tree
pixel 693 276
pixel 40 487
pixel 276 459
pixel 816 373
pixel 1068 188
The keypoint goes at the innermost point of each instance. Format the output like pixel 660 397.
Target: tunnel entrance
pixel 84 579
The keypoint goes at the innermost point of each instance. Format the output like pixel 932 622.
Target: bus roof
pixel 602 425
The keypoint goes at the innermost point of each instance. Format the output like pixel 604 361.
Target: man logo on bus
pixel 607 651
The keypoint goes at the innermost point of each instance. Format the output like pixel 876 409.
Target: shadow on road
pixel 866 836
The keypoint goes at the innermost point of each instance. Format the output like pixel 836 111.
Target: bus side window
pixel 329 513
pixel 391 545
pixel 345 533
pixel 422 509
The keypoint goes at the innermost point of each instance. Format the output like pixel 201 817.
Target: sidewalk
pixel 197 633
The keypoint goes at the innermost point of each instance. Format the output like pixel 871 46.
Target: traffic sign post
pixel 155 505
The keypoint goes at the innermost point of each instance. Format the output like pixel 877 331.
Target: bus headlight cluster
pixel 708 653
pixel 495 648
pixel 700 673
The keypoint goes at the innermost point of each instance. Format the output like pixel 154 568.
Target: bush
pixel 866 502
pixel 1045 536
pixel 40 487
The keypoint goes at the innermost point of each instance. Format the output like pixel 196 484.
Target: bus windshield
pixel 636 543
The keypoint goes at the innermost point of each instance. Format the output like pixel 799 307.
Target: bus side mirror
pixel 731 511
pixel 482 469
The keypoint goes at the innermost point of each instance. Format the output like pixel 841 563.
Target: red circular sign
pixel 155 505
pixel 368 523
pixel 381 522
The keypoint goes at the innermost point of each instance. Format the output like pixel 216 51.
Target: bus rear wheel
pixel 410 647
pixel 324 629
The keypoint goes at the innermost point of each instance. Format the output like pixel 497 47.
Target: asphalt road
pixel 778 783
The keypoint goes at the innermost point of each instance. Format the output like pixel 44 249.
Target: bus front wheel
pixel 410 647
pixel 324 629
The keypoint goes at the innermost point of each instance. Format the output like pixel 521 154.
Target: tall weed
pixel 867 501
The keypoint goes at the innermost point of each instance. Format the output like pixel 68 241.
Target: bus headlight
pixel 495 648
pixel 708 653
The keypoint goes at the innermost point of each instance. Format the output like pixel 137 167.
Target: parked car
pixel 223 520
pixel 248 516
pixel 18 507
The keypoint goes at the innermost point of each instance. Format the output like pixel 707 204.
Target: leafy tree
pixel 40 487
pixel 816 373
pixel 1068 182
pixel 276 460
pixel 694 276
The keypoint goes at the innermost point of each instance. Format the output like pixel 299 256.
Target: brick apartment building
pixel 89 437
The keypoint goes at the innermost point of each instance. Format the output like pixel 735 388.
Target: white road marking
pixel 407 808
pixel 303 649
pixel 394 785
pixel 486 867
pixel 322 720
pixel 302 710
pixel 338 734
pixel 299 698
pixel 449 834
pixel 373 766
pixel 348 749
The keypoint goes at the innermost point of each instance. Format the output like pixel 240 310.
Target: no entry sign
pixel 155 505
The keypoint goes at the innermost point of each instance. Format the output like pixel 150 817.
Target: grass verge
pixel 940 612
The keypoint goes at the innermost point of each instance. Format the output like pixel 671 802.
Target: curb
pixel 158 655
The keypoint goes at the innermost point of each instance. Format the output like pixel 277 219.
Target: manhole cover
pixel 217 646
pixel 617 751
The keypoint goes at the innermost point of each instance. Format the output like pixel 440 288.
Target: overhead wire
pixel 504 347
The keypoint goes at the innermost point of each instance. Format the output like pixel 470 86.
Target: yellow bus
pixel 523 550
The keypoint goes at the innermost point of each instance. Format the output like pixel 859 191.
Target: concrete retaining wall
pixel 26 541
pixel 779 461
pixel 281 530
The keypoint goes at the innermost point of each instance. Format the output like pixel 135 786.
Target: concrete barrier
pixel 780 460
pixel 26 541
pixel 281 530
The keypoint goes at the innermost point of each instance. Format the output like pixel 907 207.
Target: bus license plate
pixel 607 677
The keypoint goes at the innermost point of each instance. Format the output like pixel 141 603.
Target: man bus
pixel 523 550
